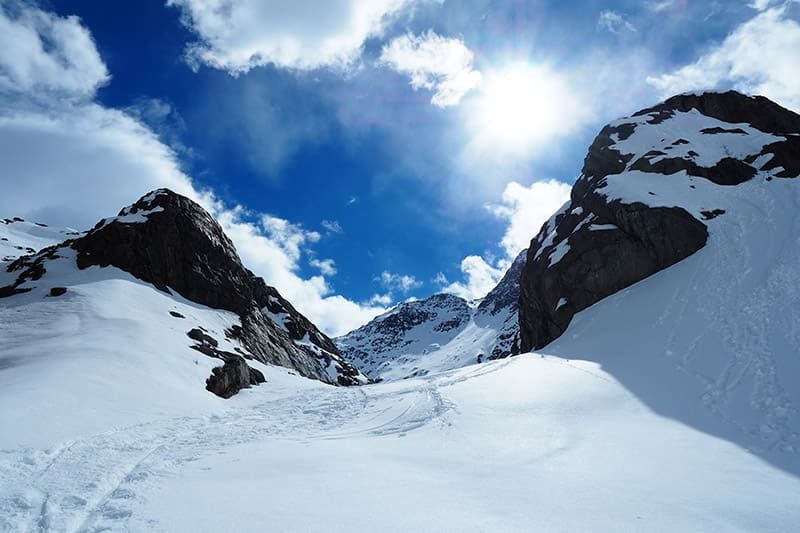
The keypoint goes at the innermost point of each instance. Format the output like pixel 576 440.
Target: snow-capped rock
pixel 651 193
pixel 172 243
pixel 19 237
pixel 441 332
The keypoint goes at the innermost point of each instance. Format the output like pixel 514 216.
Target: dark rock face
pixel 599 263
pixel 503 301
pixel 58 291
pixel 171 242
pixel 601 243
pixel 226 380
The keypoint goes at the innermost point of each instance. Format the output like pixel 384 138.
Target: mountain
pixel 167 244
pixel 665 400
pixel 675 264
pixel 19 237
pixel 654 186
pixel 438 333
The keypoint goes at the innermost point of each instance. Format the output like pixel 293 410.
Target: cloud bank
pixel 68 160
pixel 758 57
pixel 238 35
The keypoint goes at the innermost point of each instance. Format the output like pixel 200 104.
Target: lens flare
pixel 521 105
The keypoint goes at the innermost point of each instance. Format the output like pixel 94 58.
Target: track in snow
pixel 90 484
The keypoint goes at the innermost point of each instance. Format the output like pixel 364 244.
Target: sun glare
pixel 518 106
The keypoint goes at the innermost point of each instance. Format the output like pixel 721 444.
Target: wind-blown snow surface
pixel 106 426
pixel 522 444
pixel 720 329
pixel 19 237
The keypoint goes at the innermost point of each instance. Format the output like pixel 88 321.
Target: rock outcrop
pixel 171 242
pixel 226 380
pixel 637 207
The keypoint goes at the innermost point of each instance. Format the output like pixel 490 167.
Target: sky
pixel 359 153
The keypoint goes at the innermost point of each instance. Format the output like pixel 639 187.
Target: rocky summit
pixel 438 333
pixel 172 243
pixel 650 187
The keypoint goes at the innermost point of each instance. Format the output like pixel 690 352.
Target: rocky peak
pixel 505 295
pixel 441 332
pixel 171 242
pixel 645 197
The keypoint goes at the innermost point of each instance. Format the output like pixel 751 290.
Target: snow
pixel 666 407
pixel 427 347
pixel 128 217
pixel 726 327
pixel 711 148
pixel 278 318
pixel 19 237
pixel 602 227
pixel 530 443
pixel 671 405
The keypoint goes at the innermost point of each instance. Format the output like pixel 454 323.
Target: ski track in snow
pixel 90 484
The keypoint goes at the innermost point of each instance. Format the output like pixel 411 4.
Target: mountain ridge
pixel 169 241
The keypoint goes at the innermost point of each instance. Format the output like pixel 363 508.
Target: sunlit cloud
pixel 520 105
pixel 740 61
pixel 614 22
pixel 439 64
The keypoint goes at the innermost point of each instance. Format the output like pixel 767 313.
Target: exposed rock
pixel 441 332
pixel 609 237
pixel 235 375
pixel 171 242
pixel 58 291
pixel 176 314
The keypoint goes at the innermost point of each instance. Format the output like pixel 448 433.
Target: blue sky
pixel 359 152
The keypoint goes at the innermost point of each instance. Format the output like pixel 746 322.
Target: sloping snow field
pixel 106 427
pixel 672 405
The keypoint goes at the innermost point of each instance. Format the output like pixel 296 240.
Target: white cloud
pixel 327 267
pixel 480 278
pixel 526 209
pixel 758 57
pixel 384 300
pixel 70 161
pixel 440 64
pixel 398 282
pixel 761 4
pixel 332 226
pixel 614 22
pixel 238 35
pixel 291 238
pixel 662 5
pixel 41 51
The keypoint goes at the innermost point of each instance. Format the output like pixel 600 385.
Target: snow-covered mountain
pixel 676 264
pixel 164 267
pixel 19 237
pixel 438 333
pixel 665 397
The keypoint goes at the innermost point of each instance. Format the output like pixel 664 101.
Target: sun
pixel 518 106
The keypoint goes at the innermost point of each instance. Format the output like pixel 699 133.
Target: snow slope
pixel 19 237
pixel 721 327
pixel 524 444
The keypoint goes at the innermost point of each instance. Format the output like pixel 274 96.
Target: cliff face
pixel 637 208
pixel 171 242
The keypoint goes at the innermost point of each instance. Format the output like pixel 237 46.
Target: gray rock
pixel 640 240
pixel 226 380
